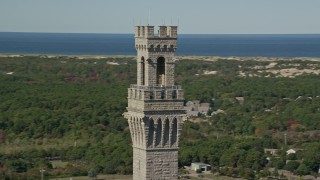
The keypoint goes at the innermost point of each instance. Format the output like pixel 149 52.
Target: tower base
pixel 155 164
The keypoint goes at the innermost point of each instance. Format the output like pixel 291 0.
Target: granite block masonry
pixel 155 105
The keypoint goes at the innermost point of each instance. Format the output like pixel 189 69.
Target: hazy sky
pixel 193 16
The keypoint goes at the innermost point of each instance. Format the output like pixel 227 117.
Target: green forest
pixel 64 114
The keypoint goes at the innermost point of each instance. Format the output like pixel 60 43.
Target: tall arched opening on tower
pixel 142 71
pixel 161 68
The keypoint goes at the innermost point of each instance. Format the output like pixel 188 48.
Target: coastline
pixel 201 58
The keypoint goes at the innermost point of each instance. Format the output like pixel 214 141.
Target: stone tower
pixel 155 105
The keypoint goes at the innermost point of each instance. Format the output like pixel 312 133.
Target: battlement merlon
pixel 163 32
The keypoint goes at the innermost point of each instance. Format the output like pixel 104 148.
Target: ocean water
pixel 269 45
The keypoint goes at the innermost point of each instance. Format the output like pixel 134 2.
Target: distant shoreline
pixel 201 58
pixel 130 33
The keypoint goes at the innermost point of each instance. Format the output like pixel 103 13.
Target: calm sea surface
pixel 302 45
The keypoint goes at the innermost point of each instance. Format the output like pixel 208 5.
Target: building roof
pixel 200 164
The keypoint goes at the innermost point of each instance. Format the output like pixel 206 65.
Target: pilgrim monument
pixel 155 105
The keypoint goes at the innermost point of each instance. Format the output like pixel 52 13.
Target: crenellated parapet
pixel 144 31
pixel 163 32
pixel 164 41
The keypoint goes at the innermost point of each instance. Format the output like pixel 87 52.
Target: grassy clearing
pixel 59 164
pixel 19 145
pixel 211 176
pixel 127 177
pixel 106 177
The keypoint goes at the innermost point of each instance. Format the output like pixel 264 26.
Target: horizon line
pixel 155 34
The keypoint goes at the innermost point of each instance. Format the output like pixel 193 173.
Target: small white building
pixel 293 151
pixel 218 112
pixel 202 166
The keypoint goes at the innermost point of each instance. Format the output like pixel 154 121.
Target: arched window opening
pixel 151 132
pixel 163 94
pixel 151 95
pixel 174 132
pixel 138 131
pixel 166 133
pixel 141 129
pixel 158 133
pixel 161 71
pixel 135 94
pixel 131 128
pixel 174 94
pixel 135 130
pixel 142 71
pixel 165 47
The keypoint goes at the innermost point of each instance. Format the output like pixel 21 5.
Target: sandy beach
pixel 272 69
pixel 202 58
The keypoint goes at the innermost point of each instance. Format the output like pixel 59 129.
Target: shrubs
pixel 292 166
pixel 302 170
